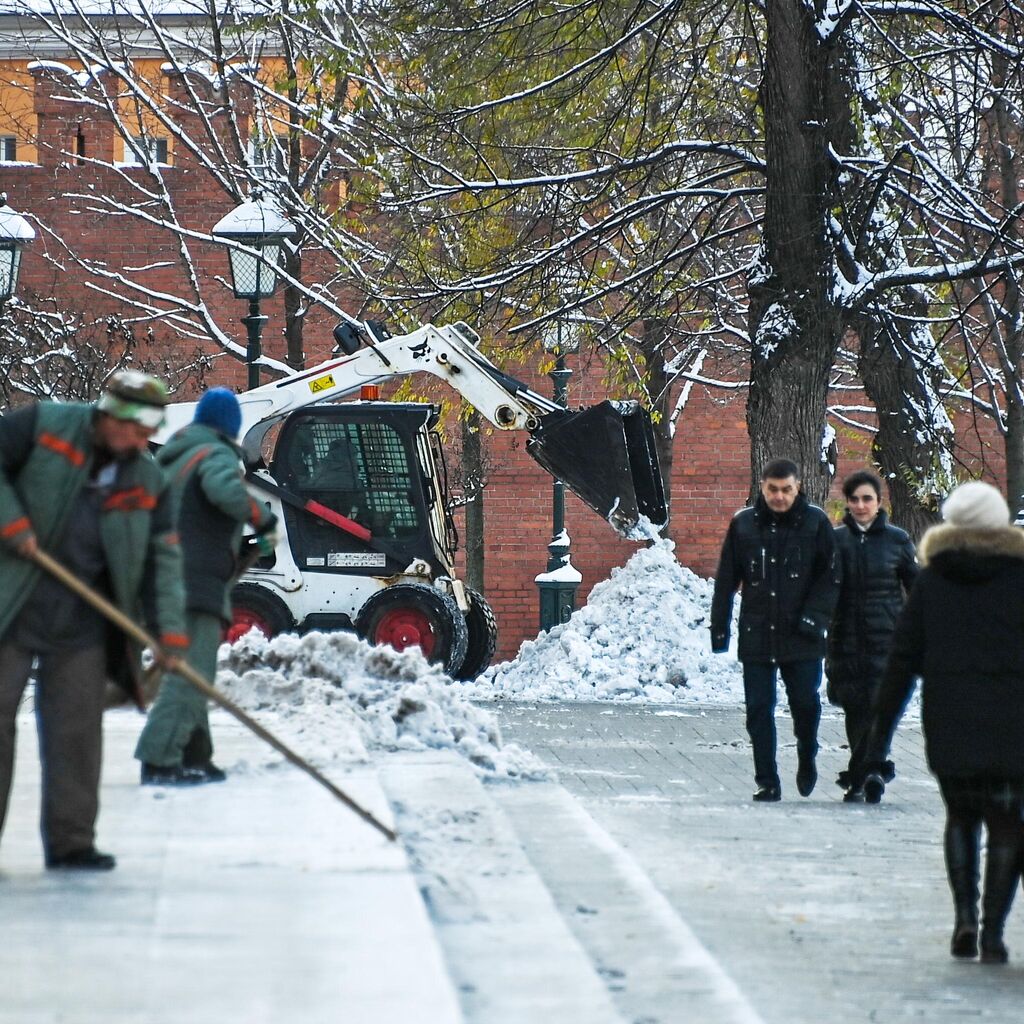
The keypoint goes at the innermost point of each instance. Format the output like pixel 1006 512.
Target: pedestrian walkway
pixel 818 911
pixel 637 885
pixel 259 901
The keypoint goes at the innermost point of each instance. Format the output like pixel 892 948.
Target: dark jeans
pixel 801 679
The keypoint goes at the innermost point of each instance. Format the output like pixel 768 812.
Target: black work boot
pixel 86 859
pixel 1002 872
pixel 177 775
pixel 768 794
pixel 961 847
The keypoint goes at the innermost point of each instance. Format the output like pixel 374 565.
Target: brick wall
pixel 710 477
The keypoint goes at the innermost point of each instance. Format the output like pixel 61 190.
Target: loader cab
pixel 373 463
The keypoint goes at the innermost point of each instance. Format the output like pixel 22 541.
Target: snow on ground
pixel 642 637
pixel 331 694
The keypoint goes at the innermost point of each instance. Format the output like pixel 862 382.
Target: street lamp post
pixel 15 234
pixel 258 230
pixel 558 584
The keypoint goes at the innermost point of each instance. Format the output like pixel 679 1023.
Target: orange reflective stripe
pixel 171 538
pixel 255 512
pixel 174 640
pixel 133 499
pixel 193 462
pixel 62 447
pixel 16 527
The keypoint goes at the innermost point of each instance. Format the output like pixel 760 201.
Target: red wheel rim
pixel 406 627
pixel 242 620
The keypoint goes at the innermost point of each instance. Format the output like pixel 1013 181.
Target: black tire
pixel 253 605
pixel 413 614
pixel 483 637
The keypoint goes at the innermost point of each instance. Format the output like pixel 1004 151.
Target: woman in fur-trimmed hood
pixel 962 632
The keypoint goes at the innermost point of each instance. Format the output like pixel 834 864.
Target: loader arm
pixel 606 454
pixel 447 352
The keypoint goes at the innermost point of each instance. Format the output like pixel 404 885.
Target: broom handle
pixel 186 671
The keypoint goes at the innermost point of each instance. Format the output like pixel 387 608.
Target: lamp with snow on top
pixel 15 234
pixel 559 582
pixel 257 231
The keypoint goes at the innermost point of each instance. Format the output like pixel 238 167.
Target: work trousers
pixel 801 679
pixel 69 694
pixel 177 729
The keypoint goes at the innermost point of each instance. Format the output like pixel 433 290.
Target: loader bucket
pixel 606 456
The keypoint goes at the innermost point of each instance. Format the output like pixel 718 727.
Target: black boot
pixel 88 858
pixel 964 944
pixel 961 845
pixel 806 776
pixel 874 787
pixel 1002 872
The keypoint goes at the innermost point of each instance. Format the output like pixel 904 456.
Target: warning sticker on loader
pixel 360 559
pixel 324 383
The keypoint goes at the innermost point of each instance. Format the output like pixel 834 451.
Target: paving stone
pixel 820 911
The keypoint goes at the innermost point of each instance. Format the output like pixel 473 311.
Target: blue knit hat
pixel 219 409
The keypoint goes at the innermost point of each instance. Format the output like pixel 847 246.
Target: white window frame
pixel 153 146
pixel 8 149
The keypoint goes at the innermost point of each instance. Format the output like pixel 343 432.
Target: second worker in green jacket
pixel 204 467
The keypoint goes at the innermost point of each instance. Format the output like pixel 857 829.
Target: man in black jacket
pixel 782 552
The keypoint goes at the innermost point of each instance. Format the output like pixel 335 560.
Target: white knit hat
pixel 976 505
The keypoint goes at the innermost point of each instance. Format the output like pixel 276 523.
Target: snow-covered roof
pixel 25 31
pixel 104 8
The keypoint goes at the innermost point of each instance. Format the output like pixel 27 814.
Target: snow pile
pixel 642 636
pixel 332 693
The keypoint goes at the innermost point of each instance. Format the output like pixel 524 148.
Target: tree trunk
pixel 659 386
pixel 795 321
pixel 293 320
pixel 1015 452
pixel 914 436
pixel 473 481
pixel 1006 138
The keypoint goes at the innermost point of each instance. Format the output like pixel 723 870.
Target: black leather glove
pixel 719 643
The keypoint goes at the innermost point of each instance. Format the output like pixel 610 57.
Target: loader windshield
pixel 362 470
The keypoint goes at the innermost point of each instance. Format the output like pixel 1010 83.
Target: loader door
pixel 361 462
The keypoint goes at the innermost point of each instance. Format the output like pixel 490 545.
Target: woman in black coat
pixel 879 566
pixel 962 631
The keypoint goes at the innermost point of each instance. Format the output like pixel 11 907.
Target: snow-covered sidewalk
pixel 260 901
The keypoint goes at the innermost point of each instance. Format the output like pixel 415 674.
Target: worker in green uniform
pixel 204 466
pixel 77 481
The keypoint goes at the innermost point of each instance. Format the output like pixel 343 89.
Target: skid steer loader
pixel 360 489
